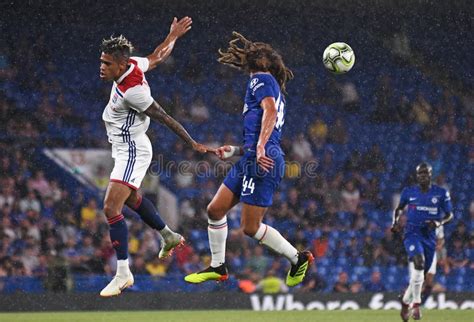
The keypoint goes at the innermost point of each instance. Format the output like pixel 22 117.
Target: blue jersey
pixel 260 86
pixel 431 205
pixel 246 179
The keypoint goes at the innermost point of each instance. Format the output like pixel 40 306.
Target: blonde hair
pixel 119 47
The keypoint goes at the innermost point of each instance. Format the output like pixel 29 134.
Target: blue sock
pixel 129 212
pixel 119 235
pixel 149 214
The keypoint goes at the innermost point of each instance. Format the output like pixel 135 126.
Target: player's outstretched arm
pixel 178 28
pixel 157 113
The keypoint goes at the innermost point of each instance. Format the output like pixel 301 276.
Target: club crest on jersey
pixel 253 82
pixel 434 200
pixel 115 98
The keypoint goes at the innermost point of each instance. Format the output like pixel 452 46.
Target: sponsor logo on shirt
pixel 431 210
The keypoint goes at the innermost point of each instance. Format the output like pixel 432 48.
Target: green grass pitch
pixel 237 316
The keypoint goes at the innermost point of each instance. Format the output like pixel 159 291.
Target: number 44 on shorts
pixel 247 184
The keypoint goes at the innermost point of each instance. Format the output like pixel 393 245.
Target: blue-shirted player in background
pixel 256 176
pixel 429 207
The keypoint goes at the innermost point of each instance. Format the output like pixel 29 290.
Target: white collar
pixel 129 70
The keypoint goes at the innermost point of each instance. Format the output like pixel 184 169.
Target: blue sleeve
pixel 261 86
pixel 404 198
pixel 447 205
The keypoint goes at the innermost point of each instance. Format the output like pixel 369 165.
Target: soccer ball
pixel 338 58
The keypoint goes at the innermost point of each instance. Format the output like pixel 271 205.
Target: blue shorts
pixel 418 245
pixel 253 185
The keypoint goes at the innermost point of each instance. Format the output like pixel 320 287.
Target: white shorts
pixel 432 269
pixel 131 161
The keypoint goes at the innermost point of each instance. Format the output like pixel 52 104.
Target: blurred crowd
pixel 48 233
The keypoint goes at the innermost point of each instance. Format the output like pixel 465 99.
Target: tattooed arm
pixel 157 113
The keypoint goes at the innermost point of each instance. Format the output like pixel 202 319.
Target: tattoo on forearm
pixel 157 113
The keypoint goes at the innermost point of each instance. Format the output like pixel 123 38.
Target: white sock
pixel 271 238
pixel 122 267
pixel 217 232
pixel 166 232
pixel 417 282
pixel 408 295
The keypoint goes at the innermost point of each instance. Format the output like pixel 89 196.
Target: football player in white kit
pixel 127 116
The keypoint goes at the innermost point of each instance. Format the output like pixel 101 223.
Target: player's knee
pixel 419 262
pixel 250 230
pixel 133 200
pixel 420 266
pixel 429 279
pixel 214 212
pixel 109 210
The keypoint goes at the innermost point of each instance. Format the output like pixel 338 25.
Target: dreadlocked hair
pixel 119 47
pixel 249 56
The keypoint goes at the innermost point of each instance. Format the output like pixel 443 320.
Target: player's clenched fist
pixel 432 224
pixel 227 151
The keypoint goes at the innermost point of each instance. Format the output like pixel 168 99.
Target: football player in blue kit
pixel 428 207
pixel 256 176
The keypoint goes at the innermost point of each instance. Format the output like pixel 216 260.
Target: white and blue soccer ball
pixel 338 58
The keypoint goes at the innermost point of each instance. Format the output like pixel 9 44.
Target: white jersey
pixel 130 97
